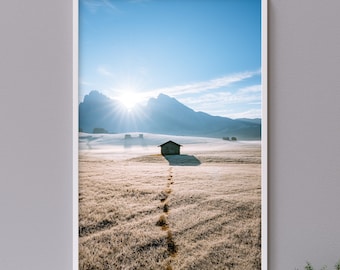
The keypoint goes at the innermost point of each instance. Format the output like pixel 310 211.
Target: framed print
pixel 172 107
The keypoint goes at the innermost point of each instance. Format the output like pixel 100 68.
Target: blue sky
pixel 205 53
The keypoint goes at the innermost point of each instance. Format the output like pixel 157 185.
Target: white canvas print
pixel 172 134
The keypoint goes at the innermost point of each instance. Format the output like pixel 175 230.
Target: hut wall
pixel 170 149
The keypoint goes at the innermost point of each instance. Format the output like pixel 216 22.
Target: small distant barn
pixel 170 148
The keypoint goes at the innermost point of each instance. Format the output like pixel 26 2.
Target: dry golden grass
pixel 142 213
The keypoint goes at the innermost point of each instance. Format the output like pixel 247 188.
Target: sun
pixel 129 100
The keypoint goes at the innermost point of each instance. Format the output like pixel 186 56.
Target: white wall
pixel 36 135
pixel 304 125
pixel 304 132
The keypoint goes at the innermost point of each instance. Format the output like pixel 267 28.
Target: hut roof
pixel 169 142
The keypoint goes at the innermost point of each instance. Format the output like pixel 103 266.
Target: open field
pixel 139 210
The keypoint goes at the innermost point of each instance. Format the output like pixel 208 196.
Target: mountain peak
pixel 96 96
pixel 162 96
pixel 164 101
pixel 163 114
pixel 165 98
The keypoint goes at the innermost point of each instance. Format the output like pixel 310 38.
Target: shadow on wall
pixel 182 160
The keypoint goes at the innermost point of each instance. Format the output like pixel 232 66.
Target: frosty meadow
pixel 138 210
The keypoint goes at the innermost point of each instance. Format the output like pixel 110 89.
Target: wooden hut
pixel 170 148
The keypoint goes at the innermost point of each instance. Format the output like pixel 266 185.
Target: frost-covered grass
pixel 138 210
